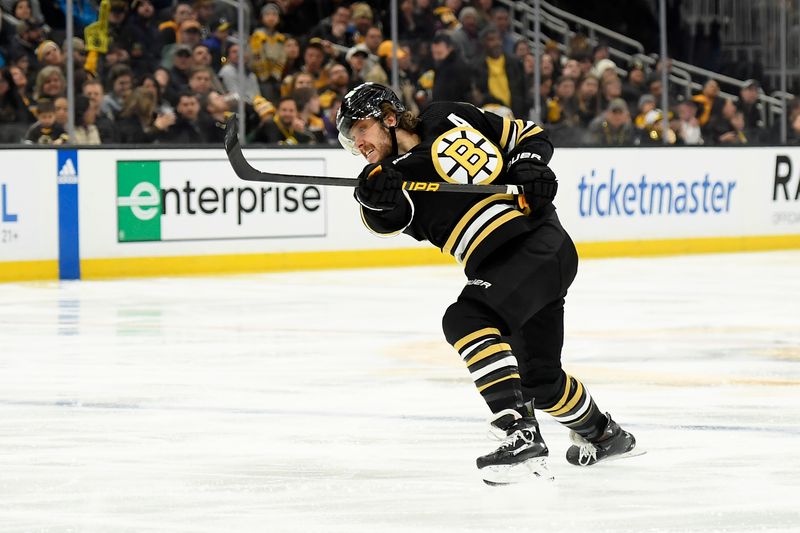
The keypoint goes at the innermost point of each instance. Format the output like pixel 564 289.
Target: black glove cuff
pixel 524 156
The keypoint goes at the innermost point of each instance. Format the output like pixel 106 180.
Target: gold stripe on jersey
pixel 489 229
pixel 511 140
pixel 520 126
pixel 504 135
pixel 516 131
pixel 448 246
pixel 480 220
pixel 529 133
pixel 486 352
pixel 485 332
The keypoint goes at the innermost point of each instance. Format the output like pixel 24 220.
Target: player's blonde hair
pixel 405 121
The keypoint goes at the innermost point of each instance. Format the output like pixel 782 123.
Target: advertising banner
pixel 110 212
pixel 635 194
pixel 174 200
pixel 28 206
pixel 785 199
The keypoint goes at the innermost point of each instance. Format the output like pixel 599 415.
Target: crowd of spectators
pixel 159 72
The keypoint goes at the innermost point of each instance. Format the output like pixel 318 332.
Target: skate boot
pixel 522 454
pixel 613 442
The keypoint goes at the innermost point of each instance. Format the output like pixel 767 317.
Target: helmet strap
pixel 393 135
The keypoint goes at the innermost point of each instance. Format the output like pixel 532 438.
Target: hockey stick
pixel 247 172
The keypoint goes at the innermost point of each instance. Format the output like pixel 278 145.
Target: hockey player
pixel 507 323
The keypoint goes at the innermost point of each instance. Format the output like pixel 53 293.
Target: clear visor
pixel 348 144
pixel 344 125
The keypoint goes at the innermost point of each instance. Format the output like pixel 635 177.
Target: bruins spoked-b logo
pixel 464 155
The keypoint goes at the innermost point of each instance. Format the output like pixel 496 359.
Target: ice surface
pixel 329 401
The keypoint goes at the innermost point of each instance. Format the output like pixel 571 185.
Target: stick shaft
pixel 247 172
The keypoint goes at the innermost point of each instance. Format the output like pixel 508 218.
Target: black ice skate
pixel 522 454
pixel 614 442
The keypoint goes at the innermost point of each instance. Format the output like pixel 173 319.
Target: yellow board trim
pixel 272 262
pixel 697 245
pixel 463 341
pixel 28 270
pixel 281 262
pixel 495 382
pixel 488 352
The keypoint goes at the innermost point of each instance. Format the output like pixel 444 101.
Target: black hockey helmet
pixel 363 102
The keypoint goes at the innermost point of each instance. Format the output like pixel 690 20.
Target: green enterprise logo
pixel 138 201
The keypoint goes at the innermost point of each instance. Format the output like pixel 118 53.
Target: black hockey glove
pixel 537 179
pixel 379 189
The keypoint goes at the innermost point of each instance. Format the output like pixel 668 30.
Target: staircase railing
pixel 555 21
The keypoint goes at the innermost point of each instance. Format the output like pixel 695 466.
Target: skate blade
pixel 632 453
pixel 532 469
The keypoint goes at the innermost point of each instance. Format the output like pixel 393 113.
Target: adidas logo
pixel 68 174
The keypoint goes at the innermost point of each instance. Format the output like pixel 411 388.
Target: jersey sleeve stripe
pixel 511 142
pixel 504 135
pixel 535 131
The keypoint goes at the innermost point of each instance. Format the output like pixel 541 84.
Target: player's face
pixel 372 141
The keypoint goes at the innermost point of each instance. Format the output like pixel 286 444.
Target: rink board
pixel 99 213
pixel 29 211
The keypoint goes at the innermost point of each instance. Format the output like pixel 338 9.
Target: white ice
pixel 329 401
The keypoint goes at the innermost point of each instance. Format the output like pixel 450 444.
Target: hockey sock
pixel 575 408
pixel 493 368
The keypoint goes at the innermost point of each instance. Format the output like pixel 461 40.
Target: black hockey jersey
pixel 461 144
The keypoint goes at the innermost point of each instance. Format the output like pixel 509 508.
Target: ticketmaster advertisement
pixel 635 194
